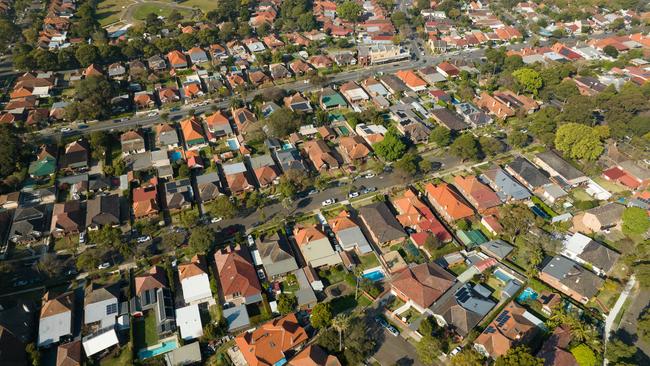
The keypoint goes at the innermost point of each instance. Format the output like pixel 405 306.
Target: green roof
pixel 43 167
pixel 333 100
pixel 471 238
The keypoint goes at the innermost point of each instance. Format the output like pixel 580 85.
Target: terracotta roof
pixel 266 175
pixel 449 200
pixel 194 268
pixel 217 118
pixel 57 305
pixel 236 274
pixel 313 355
pixel 269 343
pixel 476 192
pixel 410 78
pixel 416 214
pixel 354 147
pixel 130 135
pixel 176 58
pixel 500 336
pixel 69 354
pixel 192 129
pixel 342 222
pixel 155 278
pixel 424 283
pixel 306 234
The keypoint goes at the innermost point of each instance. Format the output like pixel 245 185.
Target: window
pixel 111 309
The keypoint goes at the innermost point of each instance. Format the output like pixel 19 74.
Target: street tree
pixel 201 239
pixel 468 357
pixel 441 136
pixel 222 207
pixel 321 315
pixel 428 350
pixel 466 147
pixel 391 147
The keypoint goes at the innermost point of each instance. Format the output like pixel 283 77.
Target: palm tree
pixel 341 323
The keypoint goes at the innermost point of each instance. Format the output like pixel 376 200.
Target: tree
pixel 33 354
pixel 201 239
pixel 399 19
pixel 408 164
pixel 643 326
pixel 467 357
pixel 529 79
pixel 341 323
pixel 287 303
pixel 349 10
pixel 610 51
pixel 321 315
pixel 98 141
pixel 490 146
pixel 428 327
pixel 428 350
pixel 515 219
pixel 466 147
pixel 86 54
pixel 51 265
pixel 441 136
pixel 283 122
pixel 11 151
pixel 106 237
pixel 635 221
pixel 581 142
pixel 618 351
pixel 518 139
pixel 391 147
pixel 584 355
pixel 518 356
pixel 223 207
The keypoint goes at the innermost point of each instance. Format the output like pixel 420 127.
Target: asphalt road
pixel 628 326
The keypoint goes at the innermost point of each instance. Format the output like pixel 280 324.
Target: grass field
pixel 109 11
pixel 204 5
pixel 141 11
pixel 610 186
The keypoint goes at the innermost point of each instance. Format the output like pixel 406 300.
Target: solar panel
pixel 489 330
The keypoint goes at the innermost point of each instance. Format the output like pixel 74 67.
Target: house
pixel 416 215
pixel 168 95
pixel 494 106
pixel 320 155
pixel 143 100
pixel 448 202
pixel 305 295
pixel 299 67
pixel 145 200
pixel 244 119
pixel 381 224
pixel 412 80
pixel 76 155
pixel 558 168
pixel 321 61
pixel 276 254
pixel 393 84
pixel 209 186
pixel 188 320
pixel 258 78
pixel 498 249
pixel 570 278
pixel 313 355
pixel 588 85
pixel 555 350
pixel 272 342
pixel 116 70
pixel 195 282
pixel 421 285
pixel 166 136
pixel 354 148
pixel 193 133
pixel 147 287
pixel 101 309
pixel 279 72
pixel 67 219
pixel 289 159
pixel 597 219
pixel 448 70
pixel 197 55
pixel 156 63
pixel 380 54
pixel 478 194
pixel 237 277
pixel 331 99
pixel 178 194
pixel 218 125
pixel 56 319
pixel 345 59
pixel 177 60
pixel 192 90
pixel 348 233
pixel 629 174
pixel 417 132
pixel 507 188
pixel 132 143
pixel 527 174
pixel 45 164
pixel 449 119
pixel 238 178
pixel 353 92
pixel 30 224
pixel 297 103
pixel 69 354
pixel 103 210
pixel 315 246
pixel 513 326
pixel 265 170
pixel 588 252
pixel 461 308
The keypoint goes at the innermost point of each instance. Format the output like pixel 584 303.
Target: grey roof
pixel 608 215
pixel 276 255
pixel 393 82
pixel 29 223
pixel 353 237
pixel 305 294
pixel 462 308
pixel 97 294
pixel 234 168
pixel 237 317
pixel 189 354
pixel 561 166
pixel 167 138
pixel 290 159
pixel 261 161
pixel 138 162
pixel 381 222
pixel 450 119
pixel 497 248
pixel 103 210
pixel 599 256
pixel 178 193
pixel 208 186
pixel 528 172
pixel 574 276
pixel 500 181
pixel 634 169
pixel 511 288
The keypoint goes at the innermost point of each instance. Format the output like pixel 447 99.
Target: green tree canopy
pixel 441 136
pixel 201 239
pixel 349 10
pixel 584 355
pixel 321 315
pixel 468 357
pixel 466 147
pixel 428 350
pixel 518 356
pixel 578 141
pixel 529 79
pixel 391 147
pixel 287 303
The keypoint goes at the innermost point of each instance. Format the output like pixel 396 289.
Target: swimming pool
pixel 287 146
pixel 374 275
pixel 539 212
pixel 164 348
pixel 527 294
pixel 233 144
pixel 175 156
pixel 502 276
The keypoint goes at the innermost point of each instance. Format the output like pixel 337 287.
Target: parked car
pixel 391 329
pixel 104 265
pixel 144 239
pixel 66 129
pixel 368 190
pixel 329 201
pixel 370 175
pixel 152 114
pixel 251 240
pixel 455 351
pixel 216 219
pixel 261 275
pixel 82 237
pixel 353 194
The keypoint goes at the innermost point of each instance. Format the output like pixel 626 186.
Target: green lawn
pixel 141 11
pixel 109 11
pixel 144 331
pixel 580 194
pixel 458 269
pixel 343 303
pixel 333 275
pixel 369 260
pixel 610 186
pixel 395 303
pixel 67 243
pixel 123 356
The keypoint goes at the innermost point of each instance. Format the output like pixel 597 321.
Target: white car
pixel 353 194
pixel 455 351
pixel 328 202
pixel 104 265
pixel 260 274
pixel 251 240
pixel 214 220
pixel 144 239
pixel 82 237
pixel 152 114
pixel 66 129
pixel 370 175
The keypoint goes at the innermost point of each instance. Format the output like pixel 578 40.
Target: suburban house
pixel 156 63
pixel 513 326
pixel 506 187
pixel 132 143
pixel 353 92
pixel 559 169
pixel 168 95
pixel 478 194
pixel 237 277
pixel 629 174
pixel 331 99
pixel 289 159
pixel 416 215
pixel 494 106
pixel 570 278
pixel 30 224
pixel 381 224
pixel 526 173
pixel 315 246
pixel 145 200
pixel 449 119
pixel 244 119
pixel 354 148
pixel 447 69
pixel 555 350
pixel 448 202
pixel 297 103
pixel 461 309
pixel 276 254
pixel 588 252
pixel 103 210
pixel 101 309
pixel 67 219
pixel 76 155
pixel 313 355
pixel 421 285
pixel 56 319
pixel 349 234
pixel 178 194
pixel 69 354
pixel 166 136
pixel 147 287
pixel 143 100
pixel 498 249
pixel 597 219
pixel 208 186
pixel 195 282
pixel 273 342
pixel 412 80
pixel 177 60
pixel 188 321
pixel 197 55
pixel 193 133
pixel 238 178
pixel 265 170
pixel 45 164
pixel 218 125
pixel 320 155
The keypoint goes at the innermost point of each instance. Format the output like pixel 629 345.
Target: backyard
pixel 122 356
pixel 145 333
pixel 333 275
pixel 343 303
pixel 368 261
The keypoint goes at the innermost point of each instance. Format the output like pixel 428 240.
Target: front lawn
pixel 395 303
pixel 145 333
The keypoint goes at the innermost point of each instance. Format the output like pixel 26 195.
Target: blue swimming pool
pixel 527 294
pixel 233 144
pixel 287 146
pixel 374 276
pixel 164 348
pixel 502 276
pixel 175 156
pixel 539 212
